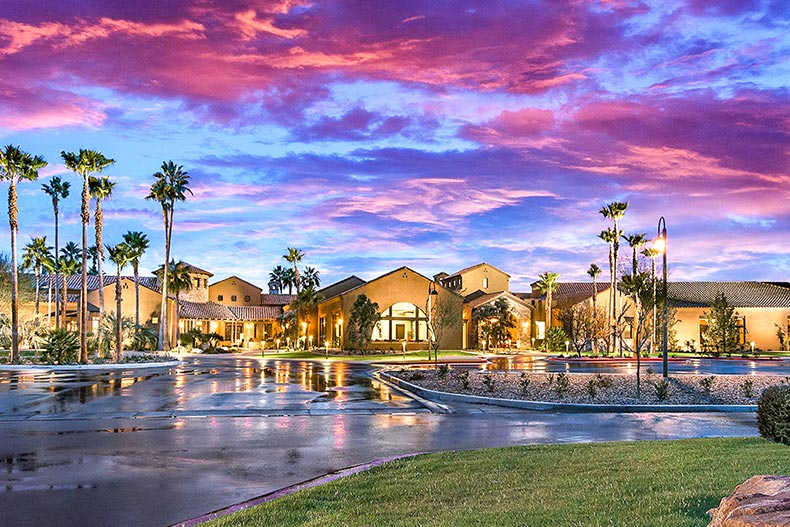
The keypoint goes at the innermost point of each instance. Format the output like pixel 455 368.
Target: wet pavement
pixel 125 449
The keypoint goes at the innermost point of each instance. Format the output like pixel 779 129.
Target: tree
pixel 289 280
pixel 494 322
pixel 305 300
pixel 170 185
pixel 363 318
pixel 278 276
pixel 652 253
pixel 71 255
pixel 446 314
pixel 85 163
pixel 310 278
pixel 594 271
pixel 34 255
pixel 638 282
pixel 178 280
pixel 722 332
pixel 57 189
pixel 609 236
pixel 138 244
pixel 100 189
pixel 294 256
pixel 547 283
pixel 120 255
pixel 640 287
pixel 615 212
pixel 583 325
pixel 15 166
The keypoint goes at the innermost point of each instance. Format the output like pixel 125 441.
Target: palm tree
pixel 16 165
pixel 57 190
pixel 85 163
pixel 615 212
pixel 100 189
pixel 289 280
pixel 34 254
pixel 120 255
pixel 609 236
pixel 652 253
pixel 547 283
pixel 178 280
pixel 294 256
pixel 72 253
pixel 170 186
pixel 635 241
pixel 305 300
pixel 594 271
pixel 278 275
pixel 138 244
pixel 311 278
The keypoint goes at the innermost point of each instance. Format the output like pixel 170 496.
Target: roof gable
pixel 234 277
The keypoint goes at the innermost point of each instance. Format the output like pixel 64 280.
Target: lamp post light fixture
pixel 326 348
pixel 660 244
pixel 567 345
pixel 752 345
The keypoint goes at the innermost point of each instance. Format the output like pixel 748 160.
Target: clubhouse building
pixel 245 315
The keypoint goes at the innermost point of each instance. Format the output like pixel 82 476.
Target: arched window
pixel 402 321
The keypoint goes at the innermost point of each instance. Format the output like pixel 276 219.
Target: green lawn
pixel 380 357
pixel 648 484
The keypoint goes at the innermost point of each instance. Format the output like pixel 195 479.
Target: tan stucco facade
pixel 402 286
pixel 233 291
pixel 760 325
pixel 483 277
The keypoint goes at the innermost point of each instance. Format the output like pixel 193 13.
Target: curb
pixel 285 491
pixel 88 367
pixel 567 407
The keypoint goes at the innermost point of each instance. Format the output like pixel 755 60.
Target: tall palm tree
pixel 278 275
pixel 652 254
pixel 609 236
pixel 120 255
pixel 594 271
pixel 295 256
pixel 57 189
pixel 16 165
pixel 178 280
pixel 170 185
pixel 34 254
pixel 310 278
pixel 100 189
pixel 138 244
pixel 85 163
pixel 289 280
pixel 615 212
pixel 547 283
pixel 635 241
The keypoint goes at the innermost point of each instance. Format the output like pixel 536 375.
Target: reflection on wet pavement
pixel 203 385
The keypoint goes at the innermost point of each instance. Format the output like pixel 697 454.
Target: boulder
pixel 760 501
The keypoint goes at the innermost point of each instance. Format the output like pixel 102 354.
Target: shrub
pixel 444 369
pixel 463 378
pixel 591 388
pixel 416 376
pixel 603 382
pixel 563 384
pixel 747 388
pixel 555 339
pixel 707 383
pixel 550 379
pixel 525 380
pixel 489 382
pixel 60 347
pixel 662 389
pixel 773 414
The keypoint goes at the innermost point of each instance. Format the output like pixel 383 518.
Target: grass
pixel 639 484
pixel 377 357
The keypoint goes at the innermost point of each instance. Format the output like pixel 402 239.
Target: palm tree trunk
pixel 13 213
pixel 38 287
pixel 612 308
pixel 83 318
pixel 99 257
pixel 164 342
pixel 57 273
pixel 135 265
pixel 615 249
pixel 65 298
pixel 118 318
pixel 178 331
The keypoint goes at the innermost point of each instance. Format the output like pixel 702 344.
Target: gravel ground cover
pixel 596 388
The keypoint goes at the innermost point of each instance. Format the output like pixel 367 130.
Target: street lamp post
pixel 660 244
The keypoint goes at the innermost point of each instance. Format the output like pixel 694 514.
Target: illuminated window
pixel 541 327
pixel 485 283
pixel 402 321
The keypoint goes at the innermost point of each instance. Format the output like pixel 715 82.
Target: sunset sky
pixel 375 134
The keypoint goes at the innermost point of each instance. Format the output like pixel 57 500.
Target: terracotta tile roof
pixel 276 300
pixel 479 300
pixel 338 288
pixel 205 311
pixel 197 270
pixel 256 312
pixel 739 294
pixel 74 282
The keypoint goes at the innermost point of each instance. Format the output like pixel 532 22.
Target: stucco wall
pixel 235 287
pixel 473 280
